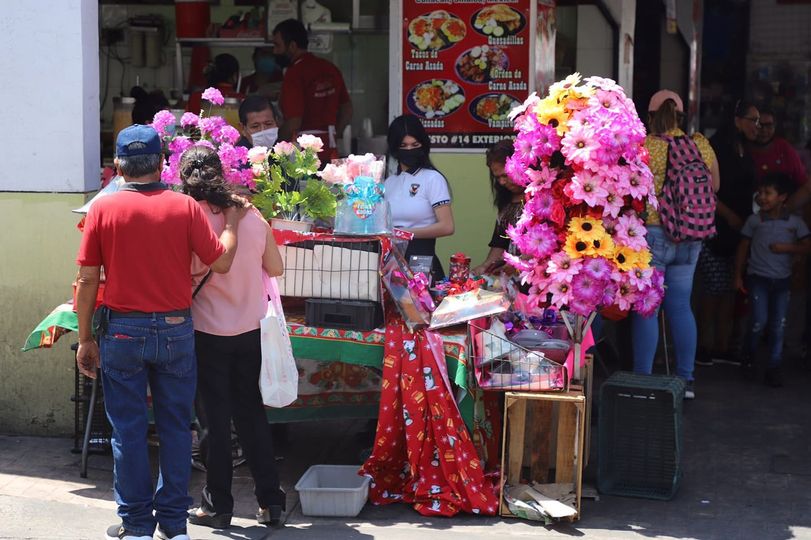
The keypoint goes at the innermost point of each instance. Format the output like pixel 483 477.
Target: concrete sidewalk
pixel 747 475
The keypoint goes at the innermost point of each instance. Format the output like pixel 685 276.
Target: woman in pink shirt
pixel 226 313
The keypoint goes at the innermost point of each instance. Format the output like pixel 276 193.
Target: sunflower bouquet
pixel 579 155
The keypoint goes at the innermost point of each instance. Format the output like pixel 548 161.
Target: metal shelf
pixel 224 42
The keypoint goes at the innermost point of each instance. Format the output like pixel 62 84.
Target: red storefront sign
pixel 465 65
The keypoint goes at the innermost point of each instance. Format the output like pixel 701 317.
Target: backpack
pixel 687 202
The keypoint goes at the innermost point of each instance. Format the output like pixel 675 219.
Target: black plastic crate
pixel 640 435
pixel 343 314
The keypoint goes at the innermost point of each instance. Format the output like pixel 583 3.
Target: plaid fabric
pixel 687 202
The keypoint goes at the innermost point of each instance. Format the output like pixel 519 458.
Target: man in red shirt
pixel 773 154
pixel 144 236
pixel 314 98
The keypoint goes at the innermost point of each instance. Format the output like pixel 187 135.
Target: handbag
pixel 278 378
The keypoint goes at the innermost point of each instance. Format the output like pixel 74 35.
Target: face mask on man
pixel 266 137
pixel 411 158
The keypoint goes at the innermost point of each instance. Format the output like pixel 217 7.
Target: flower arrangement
pixel 579 153
pixel 201 130
pixel 278 174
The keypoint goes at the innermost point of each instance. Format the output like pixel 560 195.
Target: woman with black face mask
pixel 418 194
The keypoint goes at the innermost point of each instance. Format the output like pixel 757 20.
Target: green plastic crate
pixel 640 435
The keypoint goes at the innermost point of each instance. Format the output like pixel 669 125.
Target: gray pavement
pixel 747 475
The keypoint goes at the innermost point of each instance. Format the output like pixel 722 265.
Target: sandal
pixel 271 515
pixel 200 516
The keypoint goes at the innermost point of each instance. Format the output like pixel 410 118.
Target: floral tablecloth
pixel 339 370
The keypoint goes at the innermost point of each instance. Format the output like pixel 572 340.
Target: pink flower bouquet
pixel 579 153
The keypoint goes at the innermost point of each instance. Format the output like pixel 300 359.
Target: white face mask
pixel 266 137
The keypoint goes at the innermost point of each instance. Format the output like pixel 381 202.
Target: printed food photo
pixel 436 31
pixel 479 64
pixel 435 98
pixel 490 108
pixel 498 20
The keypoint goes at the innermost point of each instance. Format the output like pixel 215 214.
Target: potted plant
pixel 288 191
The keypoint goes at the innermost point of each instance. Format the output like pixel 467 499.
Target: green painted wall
pixel 39 247
pixel 473 209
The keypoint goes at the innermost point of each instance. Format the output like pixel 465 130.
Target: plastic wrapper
pixel 360 216
pixel 460 308
pixel 421 264
pixel 363 209
pixel 409 291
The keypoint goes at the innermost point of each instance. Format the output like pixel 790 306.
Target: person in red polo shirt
pixel 314 98
pixel 144 236
pixel 773 154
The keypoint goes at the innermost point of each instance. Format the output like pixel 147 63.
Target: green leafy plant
pixel 320 201
pixel 278 175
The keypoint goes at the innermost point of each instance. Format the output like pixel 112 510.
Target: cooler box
pixel 640 435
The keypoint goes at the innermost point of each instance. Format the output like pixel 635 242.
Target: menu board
pixel 465 66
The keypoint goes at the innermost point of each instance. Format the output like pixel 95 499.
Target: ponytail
pixel 665 118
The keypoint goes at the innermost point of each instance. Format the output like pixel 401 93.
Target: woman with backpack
pixel 676 160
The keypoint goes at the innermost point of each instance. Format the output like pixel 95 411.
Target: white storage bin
pixel 333 490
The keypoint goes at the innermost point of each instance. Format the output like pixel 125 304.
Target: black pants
pixel 228 381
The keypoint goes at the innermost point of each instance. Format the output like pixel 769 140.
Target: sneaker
pixel 118 532
pixel 160 534
pixel 773 378
pixel 689 391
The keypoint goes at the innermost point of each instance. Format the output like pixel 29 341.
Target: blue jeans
pixel 770 299
pixel 136 352
pixel 678 262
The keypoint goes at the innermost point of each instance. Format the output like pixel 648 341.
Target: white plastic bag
pixel 278 379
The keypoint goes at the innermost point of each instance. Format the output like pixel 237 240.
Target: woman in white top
pixel 418 194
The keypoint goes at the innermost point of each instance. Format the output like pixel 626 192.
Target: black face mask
pixel 282 60
pixel 412 158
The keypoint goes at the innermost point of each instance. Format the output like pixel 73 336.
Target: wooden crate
pixel 543 440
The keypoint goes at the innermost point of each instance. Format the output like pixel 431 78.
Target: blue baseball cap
pixel 137 140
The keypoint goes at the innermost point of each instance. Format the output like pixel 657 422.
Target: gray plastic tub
pixel 332 490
